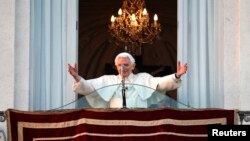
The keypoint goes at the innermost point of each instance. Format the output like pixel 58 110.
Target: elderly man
pixel 136 97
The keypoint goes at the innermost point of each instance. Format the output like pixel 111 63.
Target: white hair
pixel 125 55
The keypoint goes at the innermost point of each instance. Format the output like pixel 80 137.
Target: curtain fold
pixel 198 47
pixel 53 33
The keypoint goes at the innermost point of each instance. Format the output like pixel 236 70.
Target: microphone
pixel 122 74
pixel 123 68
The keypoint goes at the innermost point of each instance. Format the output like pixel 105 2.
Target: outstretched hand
pixel 181 69
pixel 74 72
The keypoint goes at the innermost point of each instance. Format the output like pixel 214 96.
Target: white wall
pixel 14 55
pixel 235 43
pixel 244 55
pixel 231 47
pixel 21 67
pixel 7 53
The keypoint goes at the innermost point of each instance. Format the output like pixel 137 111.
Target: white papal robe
pixel 106 91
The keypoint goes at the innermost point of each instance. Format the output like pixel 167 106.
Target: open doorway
pixel 97 51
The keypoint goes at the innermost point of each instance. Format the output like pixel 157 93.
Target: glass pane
pixel 111 97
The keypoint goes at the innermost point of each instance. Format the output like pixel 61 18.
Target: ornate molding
pixel 2 116
pixel 244 116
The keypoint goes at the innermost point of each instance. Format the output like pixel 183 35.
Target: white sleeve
pixel 82 87
pixel 168 83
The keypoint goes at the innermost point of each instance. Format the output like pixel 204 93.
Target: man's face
pixel 127 68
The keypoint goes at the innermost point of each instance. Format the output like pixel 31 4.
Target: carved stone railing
pixel 2 116
pixel 2 133
pixel 244 116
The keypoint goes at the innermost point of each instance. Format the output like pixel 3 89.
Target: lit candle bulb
pixel 133 17
pixel 112 20
pixel 133 20
pixel 120 12
pixel 144 13
pixel 155 19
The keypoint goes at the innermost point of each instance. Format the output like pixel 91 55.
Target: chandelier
pixel 132 27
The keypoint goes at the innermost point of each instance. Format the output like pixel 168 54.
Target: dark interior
pixel 97 49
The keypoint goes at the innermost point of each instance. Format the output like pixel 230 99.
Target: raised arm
pixel 171 82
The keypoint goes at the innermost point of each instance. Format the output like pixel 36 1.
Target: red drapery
pixel 115 124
